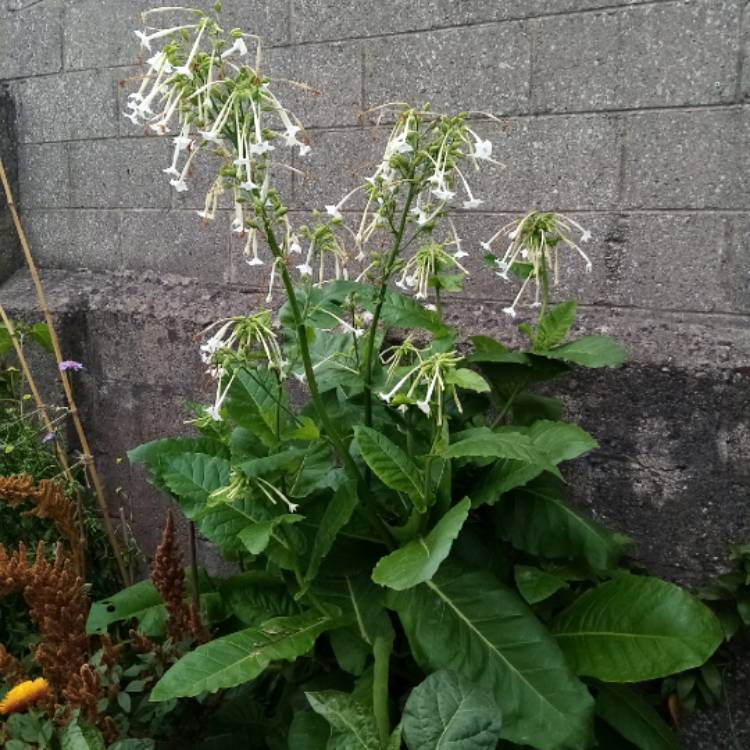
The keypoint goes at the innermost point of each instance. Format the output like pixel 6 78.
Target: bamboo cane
pixel 47 422
pixel 88 458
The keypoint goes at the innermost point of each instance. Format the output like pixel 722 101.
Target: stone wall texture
pixel 631 115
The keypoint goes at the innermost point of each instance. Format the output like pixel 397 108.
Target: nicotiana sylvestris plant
pixel 411 571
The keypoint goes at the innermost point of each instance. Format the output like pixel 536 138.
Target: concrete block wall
pixel 632 115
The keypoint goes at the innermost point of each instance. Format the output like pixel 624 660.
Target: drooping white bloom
pixel 482 149
pixel 239 47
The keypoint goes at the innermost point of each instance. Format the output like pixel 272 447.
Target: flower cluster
pixel 533 252
pixel 423 382
pixel 242 340
pixel 423 174
pixel 200 86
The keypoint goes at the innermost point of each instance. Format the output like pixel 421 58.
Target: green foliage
pixel 635 628
pixel 405 536
pixel 445 712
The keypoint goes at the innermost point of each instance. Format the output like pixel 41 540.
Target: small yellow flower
pixel 23 695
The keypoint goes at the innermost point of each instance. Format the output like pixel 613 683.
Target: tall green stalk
pixel 369 352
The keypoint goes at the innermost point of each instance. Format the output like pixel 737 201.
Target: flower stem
pixel 328 426
pixel 369 352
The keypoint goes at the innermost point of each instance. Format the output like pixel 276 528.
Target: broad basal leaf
pixel 418 560
pixel 537 520
pixel 446 712
pixel 241 656
pixel 308 731
pixel 352 723
pixel 254 596
pixel 636 628
pixel 634 719
pixel 590 351
pixel 390 464
pixel 468 622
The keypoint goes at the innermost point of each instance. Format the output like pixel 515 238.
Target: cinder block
pixel 43 176
pixel 679 53
pixel 745 52
pixel 342 19
pixel 339 162
pixel 269 21
pixel 68 238
pixel 664 54
pixel 483 68
pixel 691 159
pixel 575 65
pixel 176 242
pixel 563 163
pixel 144 348
pixel 31 40
pixel 736 268
pixel 334 74
pixel 316 20
pixel 673 262
pixel 67 107
pixel 119 173
pixel 85 43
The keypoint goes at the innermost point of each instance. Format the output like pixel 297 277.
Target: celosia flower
pixel 23 695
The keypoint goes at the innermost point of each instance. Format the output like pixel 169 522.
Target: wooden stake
pixel 88 458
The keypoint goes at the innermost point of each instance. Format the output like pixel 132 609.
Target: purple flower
pixel 70 364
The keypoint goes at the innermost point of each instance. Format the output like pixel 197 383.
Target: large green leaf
pixel 241 656
pixel 446 712
pixel 352 724
pixel 156 454
pixel 192 477
pixel 634 719
pixel 590 351
pixel 257 536
pixel 308 731
pixel 468 622
pixel 254 400
pixel 554 325
pixel 418 560
pixel 140 602
pixel 559 441
pixel 537 520
pixel 335 517
pixel 254 596
pixel 223 523
pixel 636 628
pixel 403 311
pixel 483 442
pixel 390 464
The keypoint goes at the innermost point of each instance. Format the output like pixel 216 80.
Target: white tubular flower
pixel 212 200
pixel 239 47
pixel 482 149
pixel 146 39
pixel 251 249
pixel 305 269
pixel 334 211
pixel 238 222
pixel 183 141
pixel 443 194
pixel 179 183
pixel 185 68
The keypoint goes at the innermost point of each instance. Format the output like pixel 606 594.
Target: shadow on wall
pixel 666 472
pixel 10 253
